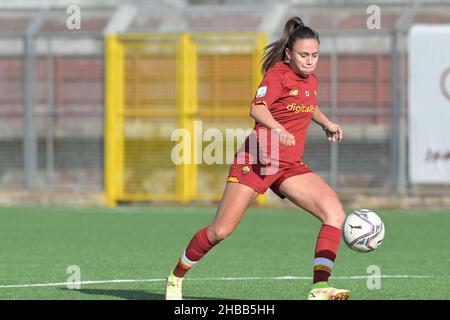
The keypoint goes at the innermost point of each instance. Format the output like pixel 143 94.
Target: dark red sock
pixel 325 253
pixel 196 249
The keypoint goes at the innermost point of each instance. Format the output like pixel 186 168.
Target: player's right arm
pixel 262 115
pixel 268 92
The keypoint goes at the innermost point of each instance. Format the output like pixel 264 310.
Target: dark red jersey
pixel 292 101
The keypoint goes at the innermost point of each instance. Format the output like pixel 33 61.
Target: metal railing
pixel 52 88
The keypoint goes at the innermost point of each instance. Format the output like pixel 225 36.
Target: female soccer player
pixel 284 105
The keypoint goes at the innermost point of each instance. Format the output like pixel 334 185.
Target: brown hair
pixel 294 29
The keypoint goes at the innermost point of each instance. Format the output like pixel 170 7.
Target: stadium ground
pixel 126 252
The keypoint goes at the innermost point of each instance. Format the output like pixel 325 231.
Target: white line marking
pixel 58 284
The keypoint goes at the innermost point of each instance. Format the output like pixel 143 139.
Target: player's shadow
pixel 132 294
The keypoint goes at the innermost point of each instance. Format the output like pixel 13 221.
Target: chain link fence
pixel 52 88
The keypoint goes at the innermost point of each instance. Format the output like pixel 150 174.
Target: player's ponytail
pixel 275 52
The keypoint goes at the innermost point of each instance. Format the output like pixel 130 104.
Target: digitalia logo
pixel 301 108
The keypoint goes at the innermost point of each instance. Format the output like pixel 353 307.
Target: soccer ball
pixel 363 230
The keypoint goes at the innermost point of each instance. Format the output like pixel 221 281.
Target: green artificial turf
pixel 133 249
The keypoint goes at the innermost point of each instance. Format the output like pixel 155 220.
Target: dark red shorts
pixel 253 176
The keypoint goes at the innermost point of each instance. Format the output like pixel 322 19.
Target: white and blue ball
pixel 363 230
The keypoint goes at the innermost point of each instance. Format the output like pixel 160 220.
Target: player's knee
pixel 336 218
pixel 334 215
pixel 219 233
pixel 340 217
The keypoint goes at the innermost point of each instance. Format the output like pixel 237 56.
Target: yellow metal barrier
pixel 114 87
pixel 186 175
pixel 157 83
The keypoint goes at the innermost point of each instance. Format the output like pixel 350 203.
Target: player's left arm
pixel 332 130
